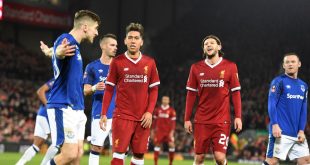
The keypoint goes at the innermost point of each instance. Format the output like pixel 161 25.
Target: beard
pixel 210 56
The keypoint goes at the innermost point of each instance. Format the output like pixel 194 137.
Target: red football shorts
pixel 128 132
pixel 162 138
pixel 211 136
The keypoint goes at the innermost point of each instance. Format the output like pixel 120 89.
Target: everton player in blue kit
pixel 42 129
pixel 287 108
pixel 66 103
pixel 95 76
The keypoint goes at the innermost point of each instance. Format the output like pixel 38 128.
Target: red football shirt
pixel 164 119
pixel 132 79
pixel 213 84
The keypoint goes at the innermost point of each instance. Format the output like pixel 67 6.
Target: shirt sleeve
pixel 192 83
pixel 273 99
pixel 112 75
pixel 234 79
pixel 303 115
pixel 173 119
pixel 88 77
pixel 154 78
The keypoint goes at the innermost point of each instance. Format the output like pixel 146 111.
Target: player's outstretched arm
pixel 46 50
pixel 63 50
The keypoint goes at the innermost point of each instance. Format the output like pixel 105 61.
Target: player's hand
pixel 276 131
pixel 45 49
pixel 146 120
pixel 238 124
pixel 188 127
pixel 103 122
pixel 100 86
pixel 301 136
pixel 65 49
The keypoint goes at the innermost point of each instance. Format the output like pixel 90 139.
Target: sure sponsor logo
pixel 290 96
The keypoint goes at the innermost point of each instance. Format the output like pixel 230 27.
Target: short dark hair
pixel 218 41
pixel 109 35
pixel 82 14
pixel 291 54
pixel 135 27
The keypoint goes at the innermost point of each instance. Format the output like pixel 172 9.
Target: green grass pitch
pixel 11 158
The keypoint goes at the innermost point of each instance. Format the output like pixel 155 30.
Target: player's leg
pixel 80 129
pixel 63 124
pixel 171 151
pixel 300 151
pixel 122 131
pixel 278 148
pixel 202 141
pixel 157 142
pixel 97 140
pixel 52 150
pixel 139 144
pixel 220 139
pixel 31 151
pixel 40 136
pixel 50 153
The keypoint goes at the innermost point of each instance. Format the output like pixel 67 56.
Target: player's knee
pixel 271 161
pixel 303 160
pixel 220 158
pixel 199 159
pixel 96 148
pixel 138 155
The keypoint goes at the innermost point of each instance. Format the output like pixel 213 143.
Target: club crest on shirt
pixel 116 142
pixel 222 74
pixel 302 87
pixel 146 68
pixel 273 88
pixel 288 86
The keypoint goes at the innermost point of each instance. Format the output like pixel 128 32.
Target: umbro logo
pixel 288 86
pixel 100 70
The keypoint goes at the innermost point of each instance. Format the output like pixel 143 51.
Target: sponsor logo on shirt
pixel 290 96
pixel 213 83
pixel 163 115
pixel 136 78
pixel 302 87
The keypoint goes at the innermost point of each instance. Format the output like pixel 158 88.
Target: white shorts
pixel 67 125
pixel 98 136
pixel 42 128
pixel 287 146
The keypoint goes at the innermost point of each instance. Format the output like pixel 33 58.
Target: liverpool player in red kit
pixel 214 80
pixel 164 126
pixel 136 80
